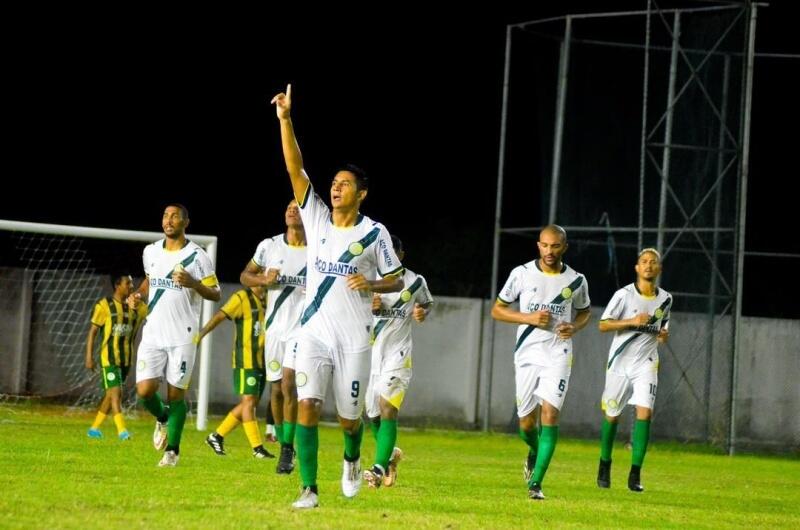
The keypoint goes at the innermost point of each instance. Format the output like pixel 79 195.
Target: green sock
pixel 532 439
pixel 547 446
pixel 177 417
pixel 279 432
pixel 607 434
pixel 352 443
pixel 387 436
pixel 154 406
pixel 288 432
pixel 307 449
pixel 641 435
pixel 375 426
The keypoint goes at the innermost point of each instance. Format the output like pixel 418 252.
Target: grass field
pixel 56 477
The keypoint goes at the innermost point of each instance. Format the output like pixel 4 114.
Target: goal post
pixel 111 234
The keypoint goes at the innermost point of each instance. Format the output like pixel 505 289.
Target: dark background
pixel 124 112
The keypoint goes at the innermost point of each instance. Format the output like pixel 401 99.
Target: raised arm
pixel 254 276
pixel 184 279
pixel 291 150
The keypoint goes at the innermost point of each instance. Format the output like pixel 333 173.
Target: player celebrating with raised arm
pixel 548 291
pixel 639 315
pixel 179 275
pixel 346 253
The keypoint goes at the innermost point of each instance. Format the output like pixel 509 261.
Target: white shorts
pixel 279 354
pixel 389 378
pixel 635 387
pixel 535 384
pixel 317 364
pixel 178 361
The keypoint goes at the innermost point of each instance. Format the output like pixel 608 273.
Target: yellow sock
pixel 228 424
pixel 252 432
pixel 98 420
pixel 119 421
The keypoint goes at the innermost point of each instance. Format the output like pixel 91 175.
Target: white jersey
pixel 174 312
pixel 392 327
pixel 560 293
pixel 335 314
pixel 285 299
pixel 635 344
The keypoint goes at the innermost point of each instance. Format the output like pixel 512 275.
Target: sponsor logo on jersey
pixel 121 330
pixel 553 308
pixel 336 268
pixel 164 283
pixel 285 279
pixel 392 313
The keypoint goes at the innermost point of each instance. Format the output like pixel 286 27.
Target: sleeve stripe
pixel 210 281
pixel 399 270
pixel 504 302
pixel 304 199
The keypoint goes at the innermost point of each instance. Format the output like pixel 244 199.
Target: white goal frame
pixel 210 244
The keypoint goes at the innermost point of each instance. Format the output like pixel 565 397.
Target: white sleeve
pixel 387 260
pixel 261 257
pixel 424 297
pixel 510 291
pixel 615 307
pixel 204 267
pixel 314 212
pixel 580 299
pixel 146 260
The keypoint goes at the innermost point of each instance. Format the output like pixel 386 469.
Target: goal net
pixel 50 278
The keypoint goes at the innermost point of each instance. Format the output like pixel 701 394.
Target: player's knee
pixel 527 423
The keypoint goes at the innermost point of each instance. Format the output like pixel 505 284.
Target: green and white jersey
pixel 334 314
pixel 391 329
pixel 559 293
pixel 174 312
pixel 285 299
pixel 635 344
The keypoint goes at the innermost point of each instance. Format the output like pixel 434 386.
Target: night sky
pixel 139 108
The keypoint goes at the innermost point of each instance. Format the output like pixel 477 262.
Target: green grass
pixel 55 477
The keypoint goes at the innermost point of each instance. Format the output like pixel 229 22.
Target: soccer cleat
pixel 260 452
pixel 160 436
pixel 374 477
pixel 351 478
pixel 391 475
pixel 604 474
pixel 308 499
pixel 535 493
pixel 528 466
pixel 217 443
pixel 170 459
pixel 285 462
pixel 124 436
pixel 635 480
pixel 94 433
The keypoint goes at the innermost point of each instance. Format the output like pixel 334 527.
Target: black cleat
pixel 260 452
pixel 285 462
pixel 528 466
pixel 604 474
pixel 217 443
pixel 635 480
pixel 535 492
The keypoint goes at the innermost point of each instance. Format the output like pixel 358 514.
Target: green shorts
pixel 249 381
pixel 114 376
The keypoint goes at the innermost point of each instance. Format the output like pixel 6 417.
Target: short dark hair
pixel 362 181
pixel 397 244
pixel 184 210
pixel 116 277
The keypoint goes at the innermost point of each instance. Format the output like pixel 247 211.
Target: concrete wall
pixel 451 352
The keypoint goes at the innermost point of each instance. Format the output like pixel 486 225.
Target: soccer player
pixel 391 367
pixel 346 253
pixel 119 323
pixel 245 308
pixel 548 291
pixel 179 274
pixel 279 265
pixel 639 315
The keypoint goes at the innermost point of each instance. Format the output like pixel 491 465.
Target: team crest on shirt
pixel 356 248
pixel 405 296
pixel 566 292
pixel 659 313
